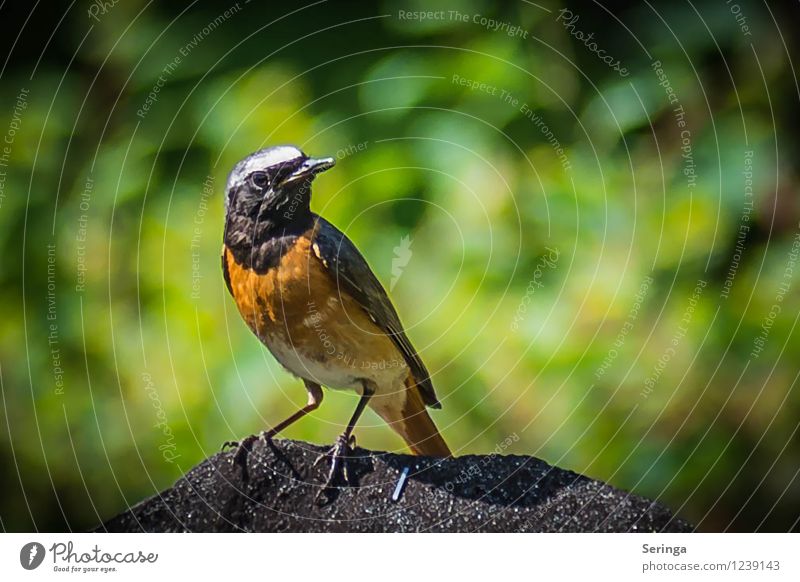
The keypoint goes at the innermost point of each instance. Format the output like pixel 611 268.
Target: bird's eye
pixel 260 180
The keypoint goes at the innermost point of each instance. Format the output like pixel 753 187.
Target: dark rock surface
pixel 475 493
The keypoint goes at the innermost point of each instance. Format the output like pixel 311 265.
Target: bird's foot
pixel 338 453
pixel 244 446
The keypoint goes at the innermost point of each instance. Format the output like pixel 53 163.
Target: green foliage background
pixel 157 374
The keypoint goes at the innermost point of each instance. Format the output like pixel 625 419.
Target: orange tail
pixel 415 426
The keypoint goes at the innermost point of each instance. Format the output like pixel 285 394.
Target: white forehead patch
pixel 260 160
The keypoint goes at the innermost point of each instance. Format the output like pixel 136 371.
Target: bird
pixel 307 293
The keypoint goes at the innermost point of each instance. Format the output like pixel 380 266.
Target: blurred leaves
pixel 152 340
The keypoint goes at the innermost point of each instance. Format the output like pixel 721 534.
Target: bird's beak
pixel 311 167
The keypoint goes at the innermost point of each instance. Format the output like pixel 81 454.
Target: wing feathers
pixel 355 277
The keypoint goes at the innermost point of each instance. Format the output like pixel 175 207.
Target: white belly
pixel 339 370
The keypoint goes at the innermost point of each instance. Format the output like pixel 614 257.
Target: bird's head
pixel 273 186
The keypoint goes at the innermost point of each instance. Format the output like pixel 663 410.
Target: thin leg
pixel 341 447
pixel 314 400
pixel 362 404
pixel 243 447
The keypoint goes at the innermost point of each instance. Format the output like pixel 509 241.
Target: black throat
pixel 258 241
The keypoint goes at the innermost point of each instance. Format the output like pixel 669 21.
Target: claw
pixel 338 471
pixel 243 448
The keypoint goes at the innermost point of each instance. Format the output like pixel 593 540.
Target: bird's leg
pixel 342 447
pixel 243 446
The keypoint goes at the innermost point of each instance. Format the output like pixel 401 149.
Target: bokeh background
pixel 596 258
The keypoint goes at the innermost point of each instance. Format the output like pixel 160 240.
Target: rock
pixel 473 493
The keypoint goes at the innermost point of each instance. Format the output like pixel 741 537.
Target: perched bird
pixel 307 293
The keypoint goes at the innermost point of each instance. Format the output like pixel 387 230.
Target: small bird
pixel 309 295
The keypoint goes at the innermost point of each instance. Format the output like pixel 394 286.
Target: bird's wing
pixel 225 274
pixel 353 275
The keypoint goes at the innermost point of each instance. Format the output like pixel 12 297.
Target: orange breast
pixel 282 295
pixel 311 327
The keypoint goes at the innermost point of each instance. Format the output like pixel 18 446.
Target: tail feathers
pixel 415 426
